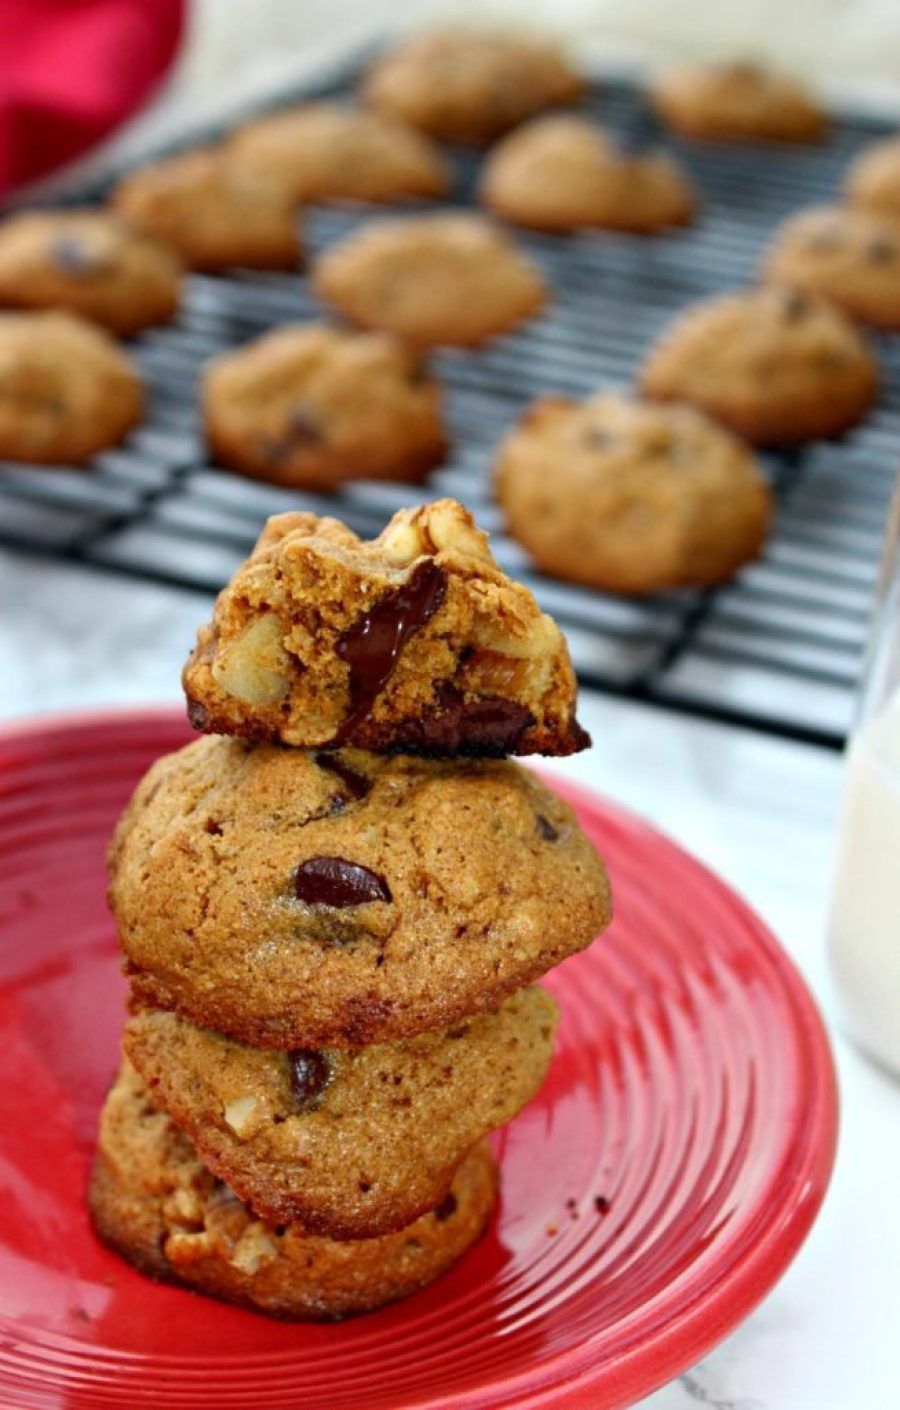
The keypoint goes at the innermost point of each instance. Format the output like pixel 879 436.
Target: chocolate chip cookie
pixel 850 256
pixel 777 365
pixel 873 181
pixel 154 1202
pixel 470 86
pixel 297 900
pixel 67 390
pixel 353 1143
pixel 214 212
pixel 432 279
pixel 88 262
pixel 630 497
pixel 312 406
pixel 737 102
pixel 415 641
pixel 325 152
pixel 565 173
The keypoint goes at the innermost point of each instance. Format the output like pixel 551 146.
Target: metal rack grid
pixel 778 650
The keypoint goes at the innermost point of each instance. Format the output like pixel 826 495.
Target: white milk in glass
pixel 865 918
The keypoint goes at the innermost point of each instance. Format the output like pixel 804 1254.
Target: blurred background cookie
pixel 328 152
pixel 433 279
pixel 851 256
pixel 214 212
pixel 470 86
pixel 737 102
pixel 91 263
pixel 565 172
pixel 873 181
pixel 313 406
pixel 777 365
pixel 66 389
pixel 631 497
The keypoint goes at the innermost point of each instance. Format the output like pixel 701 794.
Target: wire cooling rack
pixel 778 650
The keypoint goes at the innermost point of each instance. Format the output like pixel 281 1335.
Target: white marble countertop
pixel 760 812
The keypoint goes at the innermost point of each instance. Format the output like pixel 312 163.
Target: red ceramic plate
pixel 652 1194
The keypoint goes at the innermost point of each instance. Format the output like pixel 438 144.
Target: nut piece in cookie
pixel 776 365
pixel 67 390
pixel 631 497
pixel 848 255
pixel 565 173
pixel 308 900
pixel 90 263
pixel 156 1204
pixel 350 1143
pixel 470 86
pixel 737 102
pixel 415 641
pixel 214 212
pixel 313 406
pixel 451 279
pixel 324 152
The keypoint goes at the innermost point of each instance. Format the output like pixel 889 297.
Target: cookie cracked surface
pixel 415 641
pixel 305 900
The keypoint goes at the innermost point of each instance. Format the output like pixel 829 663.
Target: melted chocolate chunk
pixel 310 1073
pixel 357 785
pixel 447 1207
pixel 74 257
pixel 372 646
pixel 546 829
pixel 333 881
pixel 488 726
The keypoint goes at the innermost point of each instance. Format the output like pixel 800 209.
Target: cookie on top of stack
pixel 333 911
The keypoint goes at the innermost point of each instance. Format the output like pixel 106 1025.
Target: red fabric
pixel 71 71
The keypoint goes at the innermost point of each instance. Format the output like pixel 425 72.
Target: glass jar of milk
pixel 864 939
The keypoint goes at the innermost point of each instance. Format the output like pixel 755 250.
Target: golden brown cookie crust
pixel 312 406
pixel 215 213
pixel 89 263
pixel 415 641
pixel 153 1202
pixel 737 102
pixel 442 279
pixel 349 1143
pixel 296 900
pixel 873 181
pixel 630 497
pixel 848 255
pixel 67 391
pixel 326 152
pixel 565 173
pixel 776 365
pixel 470 86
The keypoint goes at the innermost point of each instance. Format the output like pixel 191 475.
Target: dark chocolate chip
pixel 197 715
pixel 546 829
pixel 310 1073
pixel 794 304
pixel 488 726
pixel 304 426
pixel 881 251
pixel 333 881
pixel 447 1207
pixel 372 646
pixel 74 257
pixel 357 785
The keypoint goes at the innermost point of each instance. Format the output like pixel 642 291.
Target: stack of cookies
pixel 334 907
